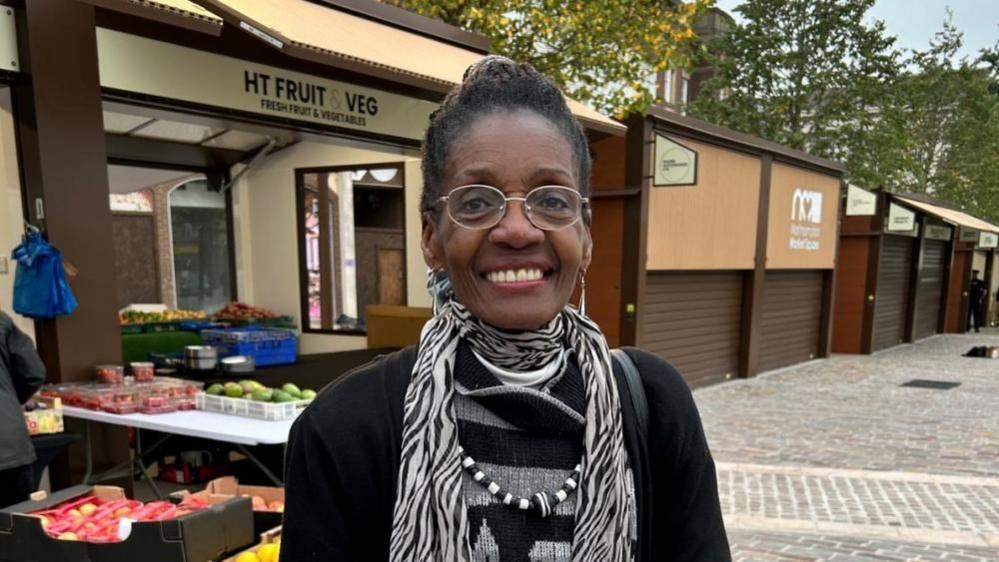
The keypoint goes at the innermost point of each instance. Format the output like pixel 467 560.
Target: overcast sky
pixel 915 21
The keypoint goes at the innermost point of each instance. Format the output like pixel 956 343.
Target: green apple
pixel 215 389
pixel 282 396
pixel 308 394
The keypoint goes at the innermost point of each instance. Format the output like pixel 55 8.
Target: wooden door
pixel 391 277
pixel 134 254
pixel 851 294
pixel 957 297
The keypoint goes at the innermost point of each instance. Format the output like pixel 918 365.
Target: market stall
pixel 714 249
pixel 906 263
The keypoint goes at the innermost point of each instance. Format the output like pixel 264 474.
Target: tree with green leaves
pixel 948 114
pixel 603 53
pixel 809 74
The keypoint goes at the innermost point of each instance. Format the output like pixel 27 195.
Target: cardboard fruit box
pixel 209 534
pixel 267 537
pixel 229 487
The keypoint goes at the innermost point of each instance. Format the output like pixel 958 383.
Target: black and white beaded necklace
pixel 541 503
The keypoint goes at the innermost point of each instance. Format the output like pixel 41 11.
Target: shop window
pixel 351 244
pixel 200 243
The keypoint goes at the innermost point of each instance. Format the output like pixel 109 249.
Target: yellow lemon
pixel 269 552
pixel 247 557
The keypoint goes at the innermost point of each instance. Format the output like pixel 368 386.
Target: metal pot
pixel 200 357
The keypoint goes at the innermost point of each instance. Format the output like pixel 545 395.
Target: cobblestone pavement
pixel 834 460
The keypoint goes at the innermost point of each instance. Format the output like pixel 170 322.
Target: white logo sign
pixel 806 206
pixel 860 202
pixel 806 210
pixel 900 219
pixel 674 163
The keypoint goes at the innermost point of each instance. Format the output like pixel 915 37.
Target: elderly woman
pixel 507 434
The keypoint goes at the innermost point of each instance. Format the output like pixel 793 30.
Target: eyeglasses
pixel 549 207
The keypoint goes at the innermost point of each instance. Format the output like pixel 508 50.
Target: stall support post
pixel 60 135
pixel 636 221
pixel 873 266
pixel 915 273
pixel 752 287
pixel 990 298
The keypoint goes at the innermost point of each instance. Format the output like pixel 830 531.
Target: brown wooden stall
pixel 905 262
pixel 727 247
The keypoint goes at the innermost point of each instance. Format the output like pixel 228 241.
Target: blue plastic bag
pixel 40 287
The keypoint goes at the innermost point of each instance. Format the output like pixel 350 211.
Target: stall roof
pixel 952 216
pixel 330 35
pixel 182 13
pixel 741 140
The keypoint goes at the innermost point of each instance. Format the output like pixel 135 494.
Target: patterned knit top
pixel 528 440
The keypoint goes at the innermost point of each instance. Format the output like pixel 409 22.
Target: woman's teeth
pixel 514 276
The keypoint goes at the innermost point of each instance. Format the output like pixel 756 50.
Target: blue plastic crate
pixel 266 346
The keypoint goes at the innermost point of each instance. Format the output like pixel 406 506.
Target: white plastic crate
pixel 273 411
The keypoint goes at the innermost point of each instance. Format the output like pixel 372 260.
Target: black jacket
pixel 343 460
pixel 21 374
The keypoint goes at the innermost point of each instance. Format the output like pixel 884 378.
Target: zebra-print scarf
pixel 430 522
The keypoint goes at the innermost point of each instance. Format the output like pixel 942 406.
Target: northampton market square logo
pixel 806 209
pixel 806 206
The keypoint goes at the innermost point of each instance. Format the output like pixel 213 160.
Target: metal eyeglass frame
pixel 584 203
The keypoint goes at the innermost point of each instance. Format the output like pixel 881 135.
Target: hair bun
pixel 491 66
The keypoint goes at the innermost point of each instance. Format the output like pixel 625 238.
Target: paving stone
pixel 833 460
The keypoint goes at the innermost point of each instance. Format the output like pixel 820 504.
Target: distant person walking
pixel 976 300
pixel 21 374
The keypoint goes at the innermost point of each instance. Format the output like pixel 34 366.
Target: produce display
pixel 243 311
pixel 164 394
pixel 138 317
pixel 91 519
pixel 253 390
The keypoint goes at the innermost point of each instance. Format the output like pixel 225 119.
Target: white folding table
pixel 240 431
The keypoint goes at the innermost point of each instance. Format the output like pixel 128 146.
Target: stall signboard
pixel 988 240
pixel 137 64
pixel 938 232
pixel 860 202
pixel 673 164
pixel 968 235
pixel 900 219
pixel 8 41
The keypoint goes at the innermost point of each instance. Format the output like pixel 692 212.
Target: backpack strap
pixel 635 388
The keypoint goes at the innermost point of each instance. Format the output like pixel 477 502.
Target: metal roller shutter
pixel 892 299
pixel 693 320
pixel 930 289
pixel 792 311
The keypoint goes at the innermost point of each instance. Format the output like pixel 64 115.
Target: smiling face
pixel 513 275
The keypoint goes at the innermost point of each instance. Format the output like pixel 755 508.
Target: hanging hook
pixel 31 228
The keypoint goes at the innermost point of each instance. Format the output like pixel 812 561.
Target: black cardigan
pixel 343 460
